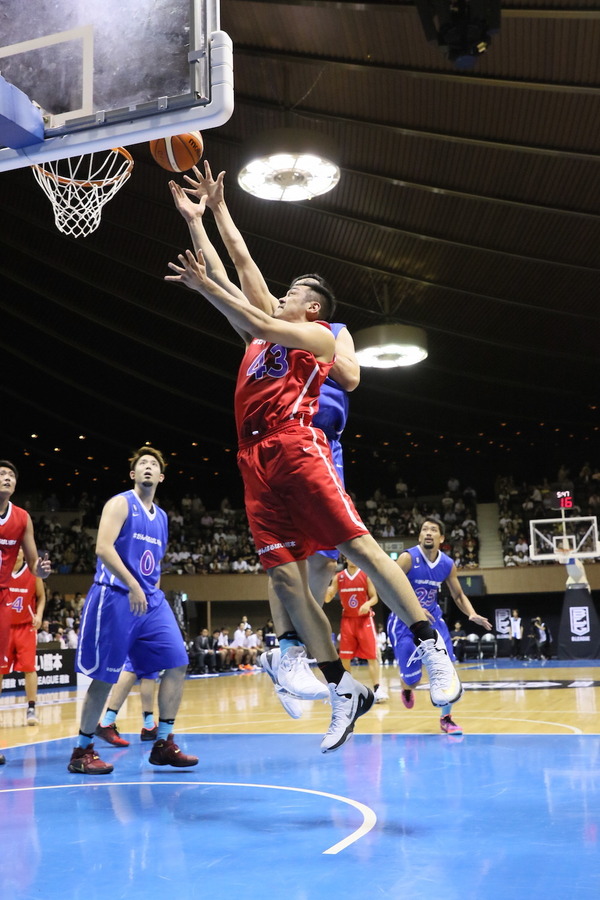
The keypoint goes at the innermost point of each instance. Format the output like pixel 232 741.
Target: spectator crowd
pixel 205 541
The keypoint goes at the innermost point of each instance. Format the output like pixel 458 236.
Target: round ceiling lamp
pixel 289 164
pixel 388 346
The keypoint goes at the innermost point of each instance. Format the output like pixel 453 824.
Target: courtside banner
pixel 55 668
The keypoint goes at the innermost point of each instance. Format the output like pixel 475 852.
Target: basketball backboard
pixel 114 73
pixel 577 534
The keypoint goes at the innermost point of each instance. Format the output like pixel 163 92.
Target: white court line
pixel 572 728
pixel 369 817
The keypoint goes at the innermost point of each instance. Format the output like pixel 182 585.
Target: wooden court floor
pixel 509 810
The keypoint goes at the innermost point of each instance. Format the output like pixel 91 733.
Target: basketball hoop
pixel 79 187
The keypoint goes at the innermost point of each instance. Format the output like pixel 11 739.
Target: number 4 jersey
pixel 23 600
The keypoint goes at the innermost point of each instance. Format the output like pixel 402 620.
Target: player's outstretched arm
pixel 463 602
pixel 193 213
pixel 252 282
pixel 246 318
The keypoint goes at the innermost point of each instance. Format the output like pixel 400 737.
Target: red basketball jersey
pixel 276 384
pixel 352 591
pixel 23 598
pixel 12 529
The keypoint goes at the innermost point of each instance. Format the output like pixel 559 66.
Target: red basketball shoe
pixel 167 753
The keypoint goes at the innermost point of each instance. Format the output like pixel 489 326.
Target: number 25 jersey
pixel 426 578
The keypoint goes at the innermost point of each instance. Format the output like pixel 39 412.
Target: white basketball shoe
pixel 296 676
pixel 270 663
pixel 381 695
pixel 349 700
pixel 444 683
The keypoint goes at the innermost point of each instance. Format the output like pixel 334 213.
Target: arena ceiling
pixel 467 205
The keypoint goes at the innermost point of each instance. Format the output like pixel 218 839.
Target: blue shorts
pixel 128 667
pixel 403 644
pixel 109 633
pixel 338 461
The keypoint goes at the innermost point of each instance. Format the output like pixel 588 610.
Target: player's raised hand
pixel 185 205
pixel 191 271
pixel 206 186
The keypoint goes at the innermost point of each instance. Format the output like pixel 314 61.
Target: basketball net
pixel 79 187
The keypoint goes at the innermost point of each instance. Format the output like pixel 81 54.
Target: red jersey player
pixel 16 530
pixel 357 633
pixel 27 602
pixel 295 501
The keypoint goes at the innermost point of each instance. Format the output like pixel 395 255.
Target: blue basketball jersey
pixel 333 402
pixel 141 544
pixel 426 578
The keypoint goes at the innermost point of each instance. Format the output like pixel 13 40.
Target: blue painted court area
pixel 406 816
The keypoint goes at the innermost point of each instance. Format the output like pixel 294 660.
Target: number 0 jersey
pixel 141 544
pixel 276 384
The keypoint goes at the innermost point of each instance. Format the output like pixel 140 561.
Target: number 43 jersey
pixel 276 384
pixel 426 578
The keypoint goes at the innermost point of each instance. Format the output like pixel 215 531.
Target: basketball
pixel 178 153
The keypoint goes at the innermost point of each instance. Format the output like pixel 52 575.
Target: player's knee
pixel 284 582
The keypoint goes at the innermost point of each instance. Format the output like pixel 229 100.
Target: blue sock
pixel 149 720
pixel 84 740
pixel 109 717
pixel 165 727
pixel 286 643
pixel 446 710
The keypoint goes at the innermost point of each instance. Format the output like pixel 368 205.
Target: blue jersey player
pixel 127 615
pixel 426 567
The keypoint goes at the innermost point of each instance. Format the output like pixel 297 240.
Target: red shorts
pixel 22 644
pixel 357 638
pixel 295 502
pixel 5 620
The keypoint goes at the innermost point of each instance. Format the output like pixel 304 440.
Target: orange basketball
pixel 179 152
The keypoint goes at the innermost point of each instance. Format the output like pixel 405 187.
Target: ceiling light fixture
pixel 289 164
pixel 388 346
